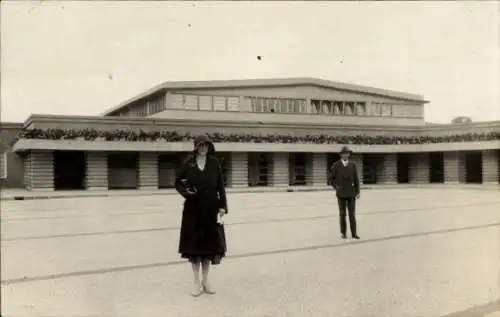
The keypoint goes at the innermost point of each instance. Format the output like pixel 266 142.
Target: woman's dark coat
pixel 201 235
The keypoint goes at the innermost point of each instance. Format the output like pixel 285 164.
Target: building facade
pixel 279 132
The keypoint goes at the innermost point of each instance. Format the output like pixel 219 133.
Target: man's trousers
pixel 347 204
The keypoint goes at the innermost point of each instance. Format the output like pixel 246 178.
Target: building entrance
pixel 436 167
pixel 69 170
pixel 258 169
pixel 403 167
pixel 123 170
pixel 225 163
pixel 370 166
pixel 474 167
pixel 168 163
pixel 297 168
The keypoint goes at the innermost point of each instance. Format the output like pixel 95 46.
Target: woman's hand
pixel 222 212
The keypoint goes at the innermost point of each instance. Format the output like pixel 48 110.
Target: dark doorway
pixel 225 163
pixel 263 169
pixel 259 165
pixel 370 166
pixel 403 168
pixel 167 167
pixel 330 159
pixel 297 169
pixel 70 169
pixel 123 170
pixel 473 167
pixel 436 164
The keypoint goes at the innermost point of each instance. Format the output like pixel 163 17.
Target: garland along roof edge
pixel 173 136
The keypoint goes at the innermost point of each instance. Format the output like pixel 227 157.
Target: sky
pixel 79 58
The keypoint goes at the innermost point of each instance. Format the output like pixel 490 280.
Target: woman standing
pixel 202 240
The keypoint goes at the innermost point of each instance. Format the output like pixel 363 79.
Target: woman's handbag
pixel 187 188
pixel 222 236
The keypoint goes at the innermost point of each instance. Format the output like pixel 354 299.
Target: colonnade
pixel 281 169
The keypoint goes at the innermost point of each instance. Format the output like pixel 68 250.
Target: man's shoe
pixel 355 236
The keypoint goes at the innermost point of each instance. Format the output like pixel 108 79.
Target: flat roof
pixel 242 83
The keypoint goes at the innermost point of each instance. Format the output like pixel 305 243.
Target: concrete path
pixel 424 252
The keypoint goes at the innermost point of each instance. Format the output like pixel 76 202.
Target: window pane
pixel 338 108
pixel 205 102
pixel 220 103
pixel 386 110
pixel 303 106
pixel 190 102
pixel 349 109
pixel 233 103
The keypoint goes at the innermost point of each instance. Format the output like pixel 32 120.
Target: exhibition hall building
pixel 267 133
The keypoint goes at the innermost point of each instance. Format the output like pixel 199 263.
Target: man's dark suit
pixel 345 180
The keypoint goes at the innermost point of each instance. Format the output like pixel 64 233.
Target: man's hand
pixel 357 196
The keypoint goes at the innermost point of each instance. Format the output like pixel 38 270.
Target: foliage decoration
pixel 172 136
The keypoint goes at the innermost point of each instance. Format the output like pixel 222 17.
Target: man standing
pixel 344 179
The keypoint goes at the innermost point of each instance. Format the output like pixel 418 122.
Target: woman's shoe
pixel 197 291
pixel 207 289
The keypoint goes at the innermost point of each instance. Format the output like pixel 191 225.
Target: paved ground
pixel 424 252
pixel 22 194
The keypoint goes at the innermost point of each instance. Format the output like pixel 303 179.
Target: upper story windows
pixel 184 101
pixel 339 108
pixel 280 105
pixel 146 107
pixel 203 102
pixel 363 108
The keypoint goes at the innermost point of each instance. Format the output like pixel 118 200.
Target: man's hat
pixel 345 149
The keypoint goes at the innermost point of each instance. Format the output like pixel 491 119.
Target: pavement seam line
pixel 239 256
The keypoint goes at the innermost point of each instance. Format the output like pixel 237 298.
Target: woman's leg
pixel 205 268
pixel 197 290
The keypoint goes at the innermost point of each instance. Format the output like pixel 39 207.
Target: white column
pixel 148 170
pixel 239 169
pixel 317 172
pixel 97 171
pixel 490 160
pixel 388 169
pixel 419 168
pixel 41 174
pixel 454 167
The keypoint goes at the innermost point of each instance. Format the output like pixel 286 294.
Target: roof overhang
pixel 23 145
